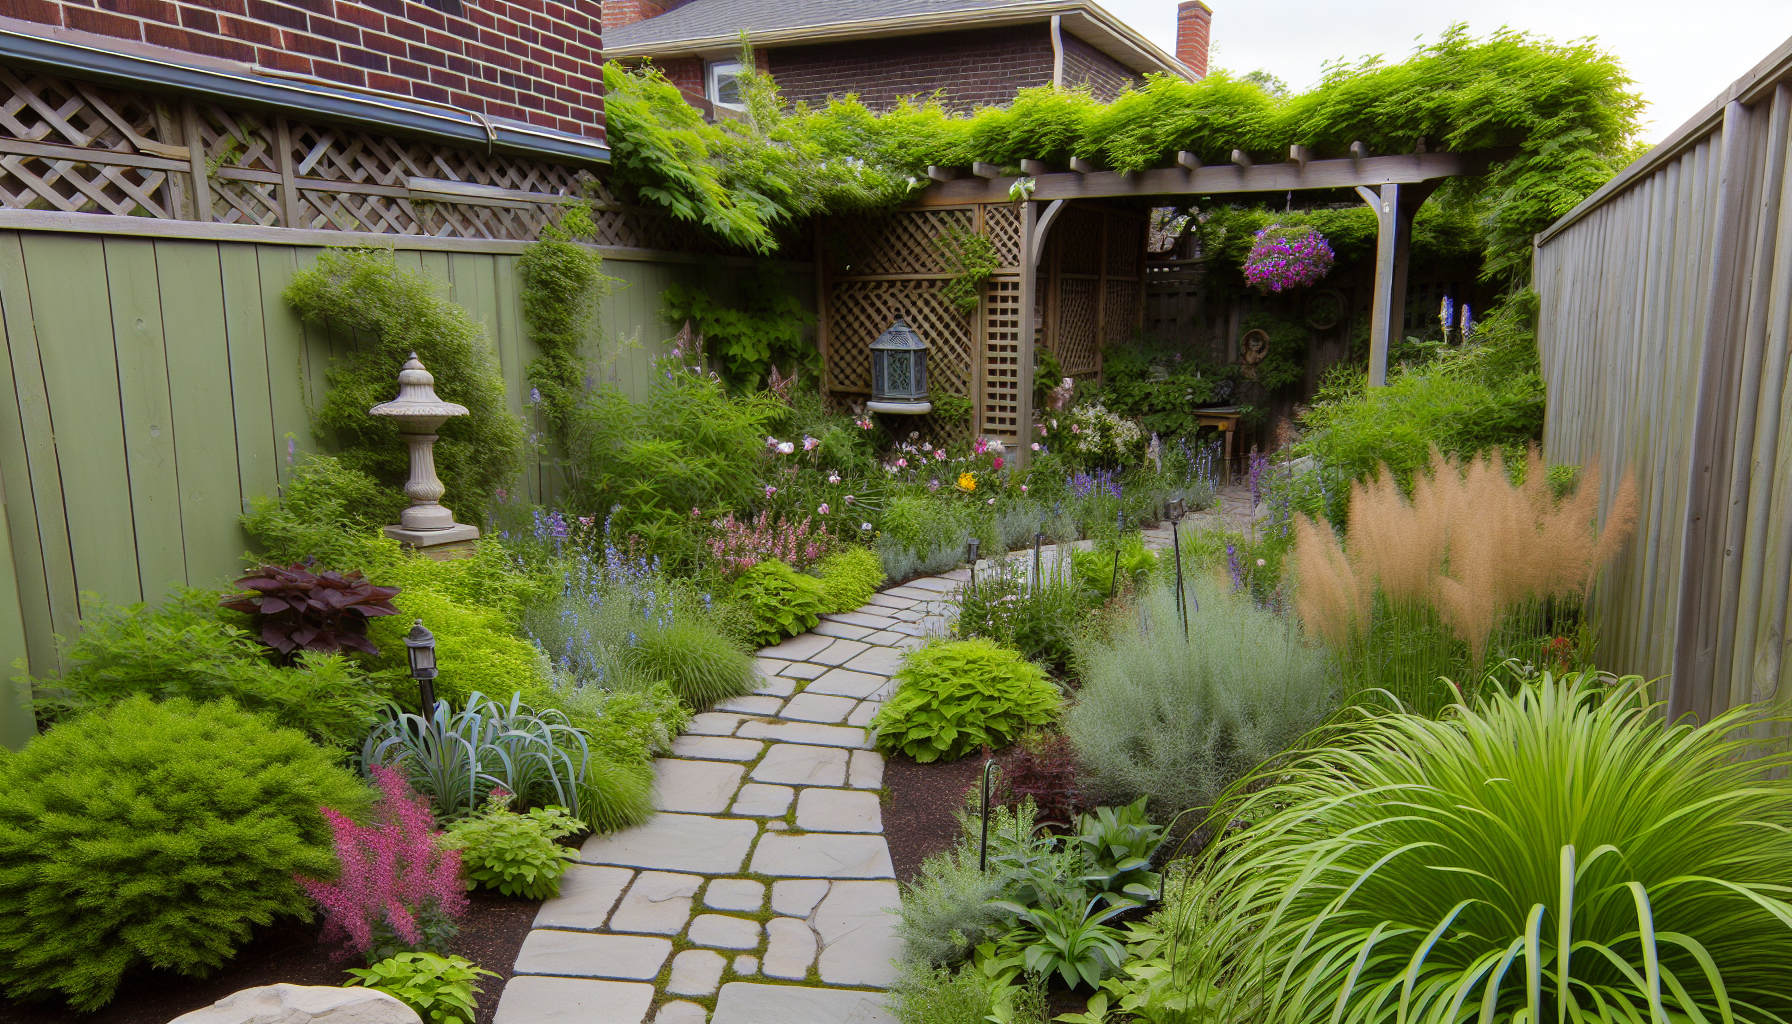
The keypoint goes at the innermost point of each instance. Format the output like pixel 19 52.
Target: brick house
pixel 971 52
pixel 534 64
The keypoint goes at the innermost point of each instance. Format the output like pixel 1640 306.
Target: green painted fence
pixel 151 386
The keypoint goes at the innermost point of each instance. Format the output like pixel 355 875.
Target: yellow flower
pixel 967 482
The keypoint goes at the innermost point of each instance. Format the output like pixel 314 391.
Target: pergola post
pixel 1029 278
pixel 1394 207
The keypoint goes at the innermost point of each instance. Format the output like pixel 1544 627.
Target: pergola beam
pixel 1373 172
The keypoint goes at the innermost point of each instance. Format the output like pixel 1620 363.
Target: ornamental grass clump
pixel 1472 569
pixel 398 887
pixel 1285 258
pixel 955 697
pixel 156 835
pixel 1561 853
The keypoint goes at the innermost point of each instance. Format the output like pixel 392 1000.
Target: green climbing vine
pixel 768 328
pixel 563 283
pixel 974 258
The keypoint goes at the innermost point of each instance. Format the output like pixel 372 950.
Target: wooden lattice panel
pixel 1002 225
pixel 1078 238
pixel 1001 359
pixel 61 125
pixel 904 242
pixel 1078 345
pixel 1119 311
pixel 862 310
pixel 1126 246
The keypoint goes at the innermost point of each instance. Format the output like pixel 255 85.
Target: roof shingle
pixel 702 19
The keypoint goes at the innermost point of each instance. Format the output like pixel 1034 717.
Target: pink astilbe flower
pixel 397 883
pixel 740 544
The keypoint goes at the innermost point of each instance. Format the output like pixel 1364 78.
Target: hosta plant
pixel 779 601
pixel 1069 939
pixel 1559 853
pixel 441 989
pixel 953 698
pixel 296 609
pixel 515 854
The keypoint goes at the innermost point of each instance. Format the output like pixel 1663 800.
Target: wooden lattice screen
pixel 879 268
pixel 1091 284
pixel 76 147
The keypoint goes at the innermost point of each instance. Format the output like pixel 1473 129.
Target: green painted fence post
pixel 17 724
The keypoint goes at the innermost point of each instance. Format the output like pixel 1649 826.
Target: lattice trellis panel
pixel 1078 345
pixel 862 310
pixel 1078 238
pixel 905 242
pixel 56 127
pixel 1126 246
pixel 1119 310
pixel 1001 359
pixel 1002 225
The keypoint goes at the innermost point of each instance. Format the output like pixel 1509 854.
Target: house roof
pixel 712 28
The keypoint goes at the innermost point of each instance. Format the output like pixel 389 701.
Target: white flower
pixel 833 478
pixel 786 448
pixel 866 527
pixel 992 501
pixel 1035 445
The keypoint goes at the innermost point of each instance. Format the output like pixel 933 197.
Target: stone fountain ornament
pixel 419 413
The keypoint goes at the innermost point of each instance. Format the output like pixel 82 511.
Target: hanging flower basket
pixel 1284 258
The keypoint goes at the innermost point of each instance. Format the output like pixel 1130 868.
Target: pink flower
pixel 849 499
pixel 934 484
pixel 587 520
pixel 770 490
pixel 927 447
pixel 992 501
pixel 999 463
pixel 695 511
pixel 1035 445
pixel 901 463
pixel 1074 429
pixel 809 443
pixel 939 455
pixel 1023 488
pixel 823 510
pixel 833 478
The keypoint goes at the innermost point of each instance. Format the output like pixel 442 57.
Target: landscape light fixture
pixel 420 646
pixel 1174 510
pixel 899 372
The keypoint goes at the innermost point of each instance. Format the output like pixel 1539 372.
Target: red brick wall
pixel 626 12
pixel 538 61
pixel 1105 77
pixel 1194 30
pixel 974 68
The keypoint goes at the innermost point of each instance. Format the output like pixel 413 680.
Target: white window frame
pixel 711 75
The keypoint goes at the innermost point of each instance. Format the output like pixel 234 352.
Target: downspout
pixel 1057 51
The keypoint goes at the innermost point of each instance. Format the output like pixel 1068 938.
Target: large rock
pixel 303 1004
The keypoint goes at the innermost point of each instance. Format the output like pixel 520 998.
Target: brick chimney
pixel 618 13
pixel 1194 26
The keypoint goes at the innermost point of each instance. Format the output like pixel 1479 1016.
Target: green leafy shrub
pixel 477 649
pixel 155 835
pixel 393 312
pixel 779 601
pixel 703 666
pixel 515 854
pixel 1558 850
pixel 562 285
pixel 945 908
pixel 1098 571
pixel 1041 620
pixel 850 577
pixel 329 514
pixel 184 649
pixel 630 726
pixel 955 697
pixel 441 989
pixel 1177 720
pixel 768 329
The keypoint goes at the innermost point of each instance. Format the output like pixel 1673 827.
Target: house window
pixel 724 85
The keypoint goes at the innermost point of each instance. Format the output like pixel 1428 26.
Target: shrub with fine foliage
pixel 155 835
pixel 953 698
pixel 850 577
pixel 779 601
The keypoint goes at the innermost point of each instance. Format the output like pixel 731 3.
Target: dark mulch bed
pixel 288 952
pixel 920 817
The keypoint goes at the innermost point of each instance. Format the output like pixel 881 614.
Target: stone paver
pixel 838 810
pixel 822 855
pixel 858 934
pixel 798 898
pixel 696 972
pixel 695 787
pixel 716 748
pixel 842 682
pixel 751 705
pixel 743 1002
pixel 840 652
pixel 867 770
pixel 529 1000
pixel 819 707
pixel 769 784
pixel 724 932
pixel 790 948
pixel 761 801
pixel 734 894
pixel 589 954
pixel 678 842
pixel 806 732
pixel 798 765
pixel 586 895
pixel 658 903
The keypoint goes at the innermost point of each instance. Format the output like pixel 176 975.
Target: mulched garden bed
pixel 920 817
pixel 288 952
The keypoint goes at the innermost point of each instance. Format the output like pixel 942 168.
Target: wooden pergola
pixel 1393 186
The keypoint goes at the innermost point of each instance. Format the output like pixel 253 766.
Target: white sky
pixel 1682 54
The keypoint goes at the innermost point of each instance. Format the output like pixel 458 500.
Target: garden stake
pixel 1181 598
pixel 1037 538
pixel 983 845
pixel 1114 580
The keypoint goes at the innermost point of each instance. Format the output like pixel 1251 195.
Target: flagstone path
pixel 759 893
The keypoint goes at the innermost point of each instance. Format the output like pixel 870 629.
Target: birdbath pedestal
pixel 419 414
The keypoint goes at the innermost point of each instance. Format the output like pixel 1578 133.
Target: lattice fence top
pixel 77 147
pixel 904 242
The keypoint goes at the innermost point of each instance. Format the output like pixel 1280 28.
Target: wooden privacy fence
pixel 1666 303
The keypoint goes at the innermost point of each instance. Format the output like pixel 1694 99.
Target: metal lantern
pixel 899 372
pixel 420 645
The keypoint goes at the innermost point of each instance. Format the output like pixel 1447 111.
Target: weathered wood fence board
pixel 1667 300
pixel 151 386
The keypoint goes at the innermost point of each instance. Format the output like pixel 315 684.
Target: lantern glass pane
pixel 897 379
pixel 878 360
pixel 422 658
pixel 920 361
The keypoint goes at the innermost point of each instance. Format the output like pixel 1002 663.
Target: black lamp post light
pixel 899 372
pixel 420 645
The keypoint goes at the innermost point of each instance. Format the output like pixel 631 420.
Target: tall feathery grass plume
pixel 1483 561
